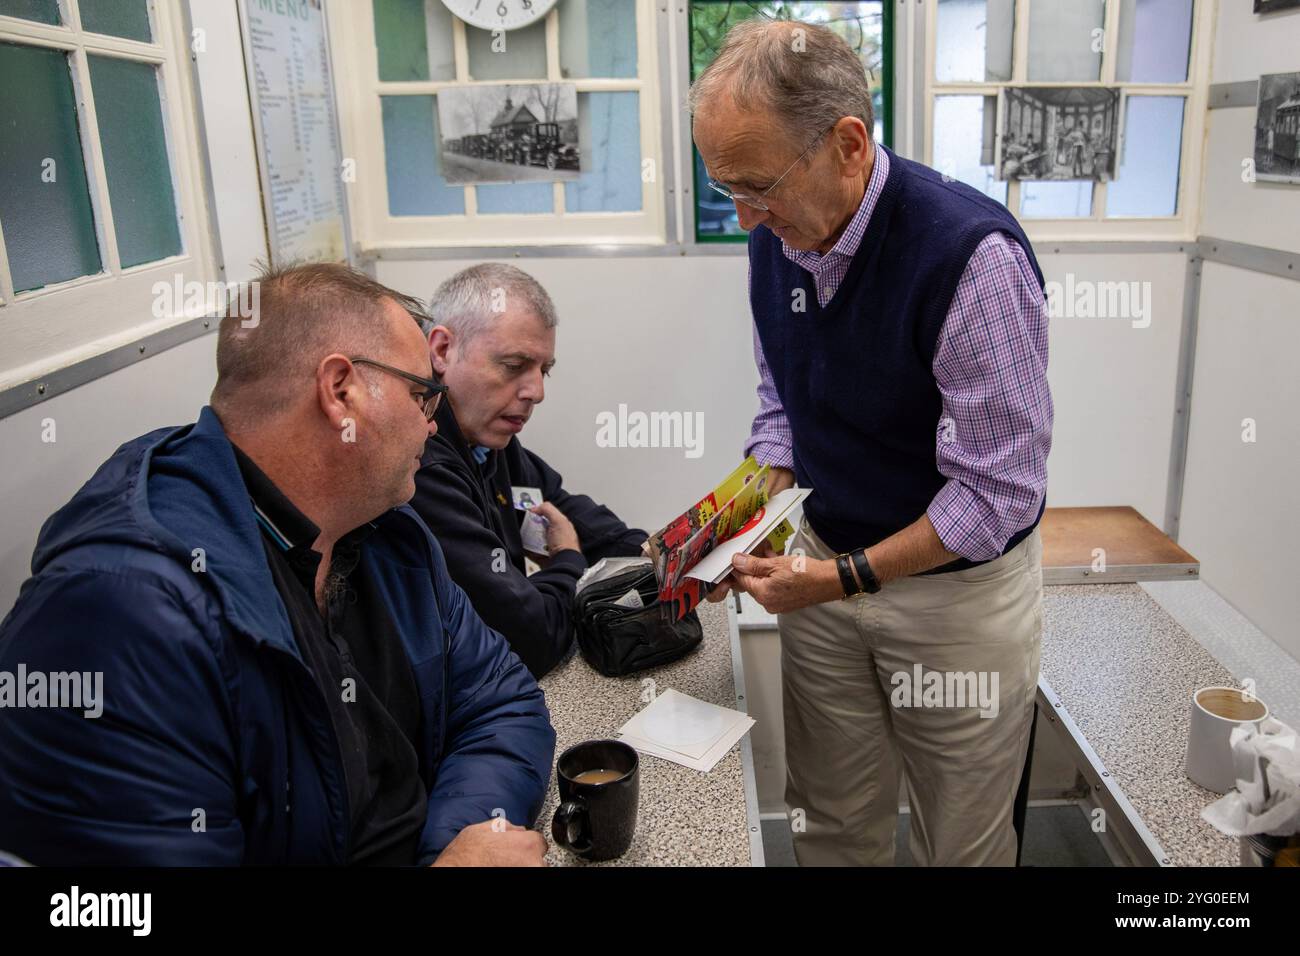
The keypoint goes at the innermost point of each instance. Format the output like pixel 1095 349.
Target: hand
pixel 491 844
pixel 723 587
pixel 779 479
pixel 786 583
pixel 560 533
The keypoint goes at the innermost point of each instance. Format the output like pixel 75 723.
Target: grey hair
pixel 469 301
pixel 804 74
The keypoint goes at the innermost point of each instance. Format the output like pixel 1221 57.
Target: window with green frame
pixel 866 27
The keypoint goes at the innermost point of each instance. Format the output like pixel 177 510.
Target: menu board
pixel 299 157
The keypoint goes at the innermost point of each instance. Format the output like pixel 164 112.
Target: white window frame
pixel 355 55
pixel 66 322
pixel 1181 227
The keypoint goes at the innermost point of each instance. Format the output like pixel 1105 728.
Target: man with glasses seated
pixel 901 341
pixel 289 674
pixel 491 337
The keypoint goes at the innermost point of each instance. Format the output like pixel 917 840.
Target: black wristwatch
pixel 870 583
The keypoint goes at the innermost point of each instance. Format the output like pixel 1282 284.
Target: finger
pixel 752 566
pixel 719 590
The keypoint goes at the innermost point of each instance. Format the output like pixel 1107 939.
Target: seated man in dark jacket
pixel 492 339
pixel 289 674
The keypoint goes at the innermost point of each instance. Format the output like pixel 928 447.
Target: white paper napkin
pixel 686 730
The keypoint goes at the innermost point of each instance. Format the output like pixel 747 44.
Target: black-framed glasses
pixel 756 202
pixel 433 391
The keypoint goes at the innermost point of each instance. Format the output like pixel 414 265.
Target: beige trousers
pixel 858 709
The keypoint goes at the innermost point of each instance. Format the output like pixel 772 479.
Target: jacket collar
pixel 178 492
pixel 193 495
pixel 450 436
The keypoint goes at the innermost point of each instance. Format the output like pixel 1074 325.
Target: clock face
pixel 500 14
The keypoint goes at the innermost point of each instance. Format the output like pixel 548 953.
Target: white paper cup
pixel 1215 711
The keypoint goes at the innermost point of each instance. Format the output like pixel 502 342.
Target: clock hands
pixel 497 15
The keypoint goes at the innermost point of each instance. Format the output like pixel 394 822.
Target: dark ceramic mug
pixel 596 821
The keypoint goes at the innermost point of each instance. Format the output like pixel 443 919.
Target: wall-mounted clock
pixel 500 14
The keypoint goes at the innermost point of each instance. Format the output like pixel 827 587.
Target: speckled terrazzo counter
pixel 684 818
pixel 1125 671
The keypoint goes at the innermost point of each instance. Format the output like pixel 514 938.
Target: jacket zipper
pixel 288 772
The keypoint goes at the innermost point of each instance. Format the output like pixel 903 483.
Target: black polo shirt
pixel 360 668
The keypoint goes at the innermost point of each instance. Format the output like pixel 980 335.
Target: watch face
pixel 500 14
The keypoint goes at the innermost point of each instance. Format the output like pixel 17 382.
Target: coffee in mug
pixel 1215 711
pixel 597 776
pixel 599 783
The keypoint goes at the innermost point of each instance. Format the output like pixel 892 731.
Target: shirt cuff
pixel 767 452
pixel 966 523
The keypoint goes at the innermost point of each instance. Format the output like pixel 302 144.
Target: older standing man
pixel 901 339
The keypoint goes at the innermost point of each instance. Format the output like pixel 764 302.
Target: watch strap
pixel 870 583
pixel 847 582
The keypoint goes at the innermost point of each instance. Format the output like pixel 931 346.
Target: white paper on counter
pixel 686 730
pixel 705 763
pixel 716 565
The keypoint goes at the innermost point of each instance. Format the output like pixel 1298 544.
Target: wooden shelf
pixel 1134 549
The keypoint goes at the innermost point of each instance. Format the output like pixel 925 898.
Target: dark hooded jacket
pixel 214 745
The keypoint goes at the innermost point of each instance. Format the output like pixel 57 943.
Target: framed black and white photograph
pixel 1058 133
pixel 1268 6
pixel 516 132
pixel 1277 128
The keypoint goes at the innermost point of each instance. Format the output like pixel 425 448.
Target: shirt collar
pixel 449 430
pixel 847 244
pixel 288 527
pixel 280 518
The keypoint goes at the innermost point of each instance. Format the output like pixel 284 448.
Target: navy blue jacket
pixel 214 746
pixel 856 377
pixel 470 509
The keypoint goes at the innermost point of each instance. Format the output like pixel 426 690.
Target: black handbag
pixel 618 640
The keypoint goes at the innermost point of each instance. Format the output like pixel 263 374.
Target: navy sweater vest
pixel 856 377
